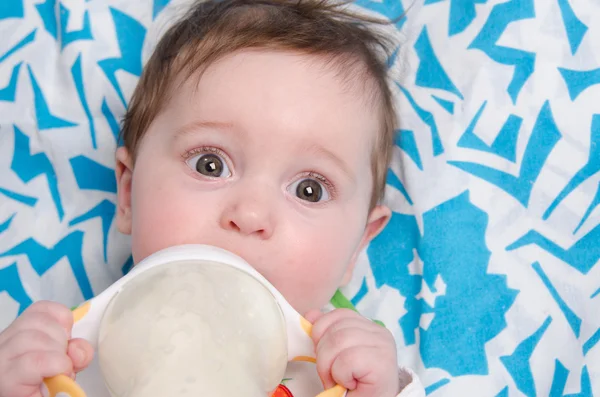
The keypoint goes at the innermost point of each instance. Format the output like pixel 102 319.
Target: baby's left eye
pixel 309 189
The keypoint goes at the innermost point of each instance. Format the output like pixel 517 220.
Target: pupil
pixel 309 190
pixel 210 165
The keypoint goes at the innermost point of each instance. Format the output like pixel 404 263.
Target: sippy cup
pixel 190 320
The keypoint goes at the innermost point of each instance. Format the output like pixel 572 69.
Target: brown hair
pixel 215 28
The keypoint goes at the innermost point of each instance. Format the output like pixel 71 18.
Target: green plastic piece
pixel 339 301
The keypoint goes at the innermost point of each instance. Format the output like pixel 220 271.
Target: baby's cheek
pixel 160 219
pixel 313 285
pixel 152 231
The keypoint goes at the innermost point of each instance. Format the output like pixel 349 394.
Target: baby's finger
pixel 343 367
pixel 324 371
pixel 344 335
pixel 30 340
pixel 34 317
pixel 323 323
pixel 31 368
pixel 359 375
pixel 44 322
pixel 334 343
pixel 81 353
pixel 60 313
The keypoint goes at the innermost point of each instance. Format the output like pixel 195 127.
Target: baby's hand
pixel 356 353
pixel 37 346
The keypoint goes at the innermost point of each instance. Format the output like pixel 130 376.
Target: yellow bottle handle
pixel 61 384
pixel 335 391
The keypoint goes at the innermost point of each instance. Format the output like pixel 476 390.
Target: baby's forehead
pixel 351 72
pixel 354 75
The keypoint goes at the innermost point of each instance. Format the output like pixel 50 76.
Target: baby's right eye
pixel 211 165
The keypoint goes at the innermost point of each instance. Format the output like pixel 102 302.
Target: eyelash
pixel 205 149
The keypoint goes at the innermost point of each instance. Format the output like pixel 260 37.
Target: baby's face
pixel 269 157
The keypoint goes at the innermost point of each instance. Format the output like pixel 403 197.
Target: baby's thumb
pixel 313 315
pixel 81 353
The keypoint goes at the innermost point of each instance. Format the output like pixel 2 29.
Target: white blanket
pixel 487 274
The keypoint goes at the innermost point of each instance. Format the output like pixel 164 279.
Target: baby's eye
pixel 210 164
pixel 309 189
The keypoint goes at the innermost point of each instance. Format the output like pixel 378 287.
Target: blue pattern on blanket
pixel 487 273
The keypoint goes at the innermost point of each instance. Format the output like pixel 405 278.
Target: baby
pixel 264 127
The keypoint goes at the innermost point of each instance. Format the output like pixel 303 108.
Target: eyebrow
pixel 201 125
pixel 324 152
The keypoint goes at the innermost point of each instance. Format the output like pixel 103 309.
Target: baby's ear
pixel 124 172
pixel 378 218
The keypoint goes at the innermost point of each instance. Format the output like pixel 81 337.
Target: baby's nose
pixel 249 218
